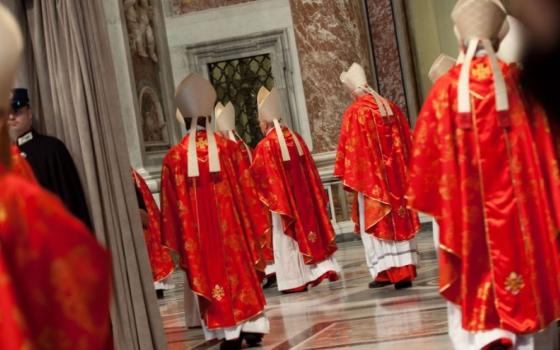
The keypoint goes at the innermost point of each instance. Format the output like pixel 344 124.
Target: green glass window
pixel 239 80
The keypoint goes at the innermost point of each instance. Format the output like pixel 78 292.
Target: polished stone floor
pixel 341 315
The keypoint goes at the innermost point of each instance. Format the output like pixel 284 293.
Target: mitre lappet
pixel 480 22
pixel 195 98
pixel 441 65
pixel 270 110
pixel 356 82
pixel 225 122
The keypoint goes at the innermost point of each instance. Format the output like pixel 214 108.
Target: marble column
pixel 145 84
pixel 330 36
pixel 392 54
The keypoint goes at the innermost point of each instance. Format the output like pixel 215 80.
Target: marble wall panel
pixel 386 51
pixel 330 35
pixel 180 7
pixel 144 38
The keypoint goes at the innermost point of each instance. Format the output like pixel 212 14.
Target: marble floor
pixel 341 315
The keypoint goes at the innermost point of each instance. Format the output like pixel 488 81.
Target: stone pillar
pixel 330 36
pixel 392 54
pixel 145 84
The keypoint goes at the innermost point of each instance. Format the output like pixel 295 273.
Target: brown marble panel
pixel 330 35
pixel 181 7
pixel 386 51
pixel 144 37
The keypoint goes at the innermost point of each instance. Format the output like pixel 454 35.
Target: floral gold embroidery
pixel 481 71
pixel 218 292
pixel 201 143
pixel 514 283
pixel 312 236
pixel 440 105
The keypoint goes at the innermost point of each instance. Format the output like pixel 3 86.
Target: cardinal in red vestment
pixel 484 165
pixel 289 184
pixel 373 149
pixel 202 220
pixel 440 67
pixel 54 277
pixel 258 213
pixel 159 255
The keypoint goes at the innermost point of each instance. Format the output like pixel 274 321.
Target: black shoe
pixel 234 344
pixel 159 293
pixel 376 284
pixel 403 285
pixel 270 281
pixel 499 347
pixel 252 339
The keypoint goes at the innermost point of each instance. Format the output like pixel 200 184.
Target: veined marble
pixel 386 51
pixel 330 36
pixel 341 315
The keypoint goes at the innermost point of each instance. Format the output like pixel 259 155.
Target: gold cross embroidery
pixel 218 292
pixel 201 143
pixel 481 71
pixel 312 236
pixel 514 283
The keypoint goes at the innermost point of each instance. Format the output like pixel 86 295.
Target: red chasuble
pixel 202 220
pixel 371 159
pixel 294 190
pixel 20 166
pixel 54 277
pixel 160 257
pixel 259 216
pixel 246 151
pixel 492 182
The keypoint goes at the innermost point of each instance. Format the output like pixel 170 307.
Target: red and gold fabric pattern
pixel 491 180
pixel 20 166
pixel 294 190
pixel 259 216
pixel 54 277
pixel 159 255
pixel 203 221
pixel 372 155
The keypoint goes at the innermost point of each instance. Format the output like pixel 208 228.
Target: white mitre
pixel 441 65
pixel 195 98
pixel 504 30
pixel 11 48
pixel 225 122
pixel 355 81
pixel 271 111
pixel 513 46
pixel 479 21
pixel 225 119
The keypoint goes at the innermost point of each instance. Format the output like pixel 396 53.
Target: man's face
pixel 20 121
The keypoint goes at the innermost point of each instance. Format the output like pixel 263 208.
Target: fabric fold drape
pixel 76 101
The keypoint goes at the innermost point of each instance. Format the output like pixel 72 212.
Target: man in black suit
pixel 48 156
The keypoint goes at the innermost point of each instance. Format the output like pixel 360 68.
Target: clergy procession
pixel 242 223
